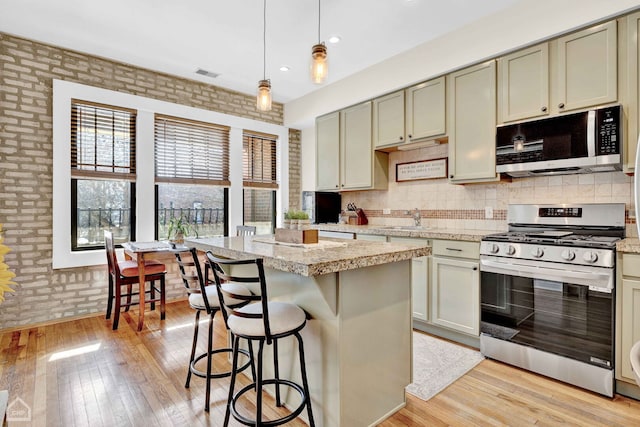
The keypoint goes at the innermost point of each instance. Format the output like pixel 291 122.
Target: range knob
pixel 537 252
pixel 568 255
pixel 590 257
pixel 493 248
pixel 511 250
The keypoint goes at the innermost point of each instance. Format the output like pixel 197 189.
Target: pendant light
pixel 263 100
pixel 319 64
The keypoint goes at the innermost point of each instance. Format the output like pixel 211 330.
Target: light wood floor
pixel 81 373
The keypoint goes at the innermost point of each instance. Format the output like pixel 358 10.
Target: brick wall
pixel 27 69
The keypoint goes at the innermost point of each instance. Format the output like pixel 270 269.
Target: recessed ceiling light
pixel 284 68
pixel 334 39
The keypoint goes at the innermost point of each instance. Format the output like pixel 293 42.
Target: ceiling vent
pixel 207 73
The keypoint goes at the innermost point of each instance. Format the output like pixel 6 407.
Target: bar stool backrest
pixel 245 230
pixel 223 272
pixel 191 273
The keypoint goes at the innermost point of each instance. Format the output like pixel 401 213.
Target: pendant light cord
pixel 264 40
pixel 318 21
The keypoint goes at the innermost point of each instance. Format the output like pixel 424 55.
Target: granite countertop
pixel 630 245
pixel 327 256
pixel 408 231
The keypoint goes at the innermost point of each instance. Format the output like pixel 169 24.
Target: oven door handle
pixel 600 280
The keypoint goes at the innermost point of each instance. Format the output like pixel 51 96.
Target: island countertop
pixel 327 256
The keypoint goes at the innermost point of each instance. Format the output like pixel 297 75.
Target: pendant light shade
pixel 319 68
pixel 263 98
pixel 319 65
pixel 263 101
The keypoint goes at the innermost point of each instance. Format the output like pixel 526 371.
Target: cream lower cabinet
pixel 628 314
pixel 471 124
pixel 419 279
pixel 455 286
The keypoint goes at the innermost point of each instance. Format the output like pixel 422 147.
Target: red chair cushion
pixel 130 268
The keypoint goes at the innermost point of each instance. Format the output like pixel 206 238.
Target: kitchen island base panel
pixel 358 342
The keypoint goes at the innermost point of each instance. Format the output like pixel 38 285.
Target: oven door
pixel 564 310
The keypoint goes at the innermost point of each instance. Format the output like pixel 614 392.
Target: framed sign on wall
pixel 424 169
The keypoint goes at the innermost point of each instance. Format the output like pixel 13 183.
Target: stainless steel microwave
pixel 584 142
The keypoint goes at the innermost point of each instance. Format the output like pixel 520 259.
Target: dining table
pixel 141 251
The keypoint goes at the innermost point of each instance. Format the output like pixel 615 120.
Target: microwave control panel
pixel 608 131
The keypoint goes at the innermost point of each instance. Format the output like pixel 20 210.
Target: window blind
pixel 103 141
pixel 191 152
pixel 259 160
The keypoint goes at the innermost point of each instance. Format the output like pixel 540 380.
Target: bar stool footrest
pixel 278 421
pixel 202 374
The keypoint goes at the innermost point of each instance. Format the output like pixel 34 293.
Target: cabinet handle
pixel 475 268
pixel 454 249
pixel 337 186
pixel 410 136
pixel 544 109
pixel 401 138
pixel 451 176
pixel 561 105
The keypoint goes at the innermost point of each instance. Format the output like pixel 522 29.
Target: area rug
pixel 438 363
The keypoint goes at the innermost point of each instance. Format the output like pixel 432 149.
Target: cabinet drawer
pixel 631 265
pixel 456 248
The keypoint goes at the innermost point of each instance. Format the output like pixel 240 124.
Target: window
pixel 259 166
pixel 103 173
pixel 191 175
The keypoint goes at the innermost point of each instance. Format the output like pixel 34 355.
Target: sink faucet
pixel 417 219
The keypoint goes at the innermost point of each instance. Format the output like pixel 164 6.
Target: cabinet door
pixel 419 282
pixel 633 91
pixel 328 152
pixel 356 152
pixel 630 333
pixel 425 110
pixel 419 279
pixel 523 84
pixel 472 135
pixel 388 119
pixel 455 294
pixel 587 68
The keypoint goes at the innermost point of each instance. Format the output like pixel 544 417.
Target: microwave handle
pixel 591 133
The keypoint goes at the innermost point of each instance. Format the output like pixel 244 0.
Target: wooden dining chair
pixel 245 230
pixel 125 274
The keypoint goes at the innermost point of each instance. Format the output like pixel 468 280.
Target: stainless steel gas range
pixel 548 292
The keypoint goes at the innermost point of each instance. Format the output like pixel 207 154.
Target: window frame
pixel 65 91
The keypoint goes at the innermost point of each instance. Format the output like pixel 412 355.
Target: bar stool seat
pixel 129 268
pixel 283 318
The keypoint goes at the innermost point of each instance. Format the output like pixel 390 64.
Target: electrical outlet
pixel 386 211
pixel 488 212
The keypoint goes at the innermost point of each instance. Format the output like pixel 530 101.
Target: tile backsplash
pixel 448 206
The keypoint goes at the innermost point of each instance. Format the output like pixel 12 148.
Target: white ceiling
pixel 178 37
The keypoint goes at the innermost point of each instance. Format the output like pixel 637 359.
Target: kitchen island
pixel 358 342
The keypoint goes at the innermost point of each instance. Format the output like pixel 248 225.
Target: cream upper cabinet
pixel 523 89
pixel 328 152
pixel 360 167
pixel 471 124
pixel 587 68
pixel 425 110
pixel 632 103
pixel 414 114
pixel 627 314
pixel 388 119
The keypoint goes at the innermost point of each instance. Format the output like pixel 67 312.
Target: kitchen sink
pixel 404 227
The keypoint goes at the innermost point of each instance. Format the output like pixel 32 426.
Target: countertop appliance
pixel 584 142
pixel 548 291
pixel 323 207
